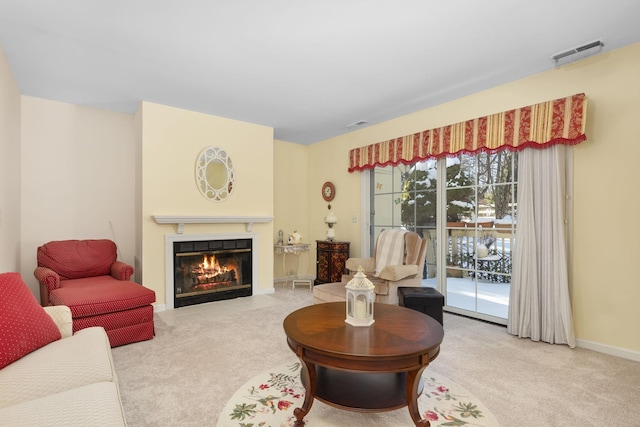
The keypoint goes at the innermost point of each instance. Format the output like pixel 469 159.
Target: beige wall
pixel 77 178
pixel 330 163
pixel 605 290
pixel 291 202
pixel 171 140
pixel 9 169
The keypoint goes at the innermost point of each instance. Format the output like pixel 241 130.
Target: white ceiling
pixel 307 68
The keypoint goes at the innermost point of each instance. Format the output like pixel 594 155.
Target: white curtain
pixel 539 305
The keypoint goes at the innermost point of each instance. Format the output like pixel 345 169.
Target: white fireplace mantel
pixel 181 220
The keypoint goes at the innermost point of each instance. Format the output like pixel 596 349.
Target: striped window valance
pixel 561 121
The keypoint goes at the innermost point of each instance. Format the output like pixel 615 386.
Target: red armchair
pixel 85 276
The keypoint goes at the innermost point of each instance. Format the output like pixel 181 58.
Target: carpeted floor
pixel 202 355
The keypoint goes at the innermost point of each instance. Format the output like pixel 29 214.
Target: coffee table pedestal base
pixel 361 391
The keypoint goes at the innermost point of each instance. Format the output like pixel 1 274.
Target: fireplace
pixel 211 270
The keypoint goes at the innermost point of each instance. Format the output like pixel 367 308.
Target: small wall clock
pixel 328 191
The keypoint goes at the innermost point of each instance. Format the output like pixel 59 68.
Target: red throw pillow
pixel 24 325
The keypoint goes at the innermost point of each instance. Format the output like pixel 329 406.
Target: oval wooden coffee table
pixel 365 369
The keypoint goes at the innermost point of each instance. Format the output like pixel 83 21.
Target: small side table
pixel 486 265
pixel 295 249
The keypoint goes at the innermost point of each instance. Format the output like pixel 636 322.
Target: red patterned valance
pixel 561 121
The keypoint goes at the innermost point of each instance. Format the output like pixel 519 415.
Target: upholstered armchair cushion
pixel 93 296
pixel 368 265
pixel 74 259
pixel 395 273
pixel 390 272
pixel 412 249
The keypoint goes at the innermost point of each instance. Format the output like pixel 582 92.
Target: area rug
pixel 268 400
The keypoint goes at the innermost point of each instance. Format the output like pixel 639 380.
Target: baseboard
pixel 608 349
pixel 264 291
pixel 159 307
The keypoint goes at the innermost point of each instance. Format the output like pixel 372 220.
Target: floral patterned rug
pixel 268 400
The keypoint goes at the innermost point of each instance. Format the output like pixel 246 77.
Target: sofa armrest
pixel 393 273
pixel 47 277
pixel 368 265
pixel 121 271
pixel 61 315
pixel 49 280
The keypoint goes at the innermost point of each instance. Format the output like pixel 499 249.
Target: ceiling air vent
pixel 578 52
pixel 356 124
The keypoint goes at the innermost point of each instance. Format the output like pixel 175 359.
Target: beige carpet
pixel 202 355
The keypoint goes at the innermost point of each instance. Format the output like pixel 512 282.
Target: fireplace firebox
pixel 211 270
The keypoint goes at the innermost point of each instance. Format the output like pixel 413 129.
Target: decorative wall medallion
pixel 215 175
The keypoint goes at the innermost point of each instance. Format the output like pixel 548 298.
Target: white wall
pixel 9 169
pixel 77 178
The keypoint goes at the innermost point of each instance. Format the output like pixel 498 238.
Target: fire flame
pixel 210 268
pixel 211 263
pixel 208 273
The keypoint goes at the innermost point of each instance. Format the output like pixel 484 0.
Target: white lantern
pixel 360 299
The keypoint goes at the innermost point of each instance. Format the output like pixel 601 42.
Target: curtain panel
pixel 561 121
pixel 539 300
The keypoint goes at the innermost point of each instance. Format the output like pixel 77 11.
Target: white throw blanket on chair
pixel 389 249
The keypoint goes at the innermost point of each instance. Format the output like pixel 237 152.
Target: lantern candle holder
pixel 360 300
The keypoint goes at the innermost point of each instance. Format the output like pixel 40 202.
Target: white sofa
pixel 68 382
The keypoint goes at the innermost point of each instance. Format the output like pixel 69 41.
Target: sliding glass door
pixel 466 208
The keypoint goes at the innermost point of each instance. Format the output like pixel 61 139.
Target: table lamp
pixel 330 220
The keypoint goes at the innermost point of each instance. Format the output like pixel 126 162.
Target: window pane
pixel 461 203
pixel 503 202
pixel 461 199
pixel 383 182
pixel 383 210
pixel 463 171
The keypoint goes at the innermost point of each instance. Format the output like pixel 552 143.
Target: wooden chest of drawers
pixel 331 257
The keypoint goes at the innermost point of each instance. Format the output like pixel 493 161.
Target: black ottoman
pixel 426 300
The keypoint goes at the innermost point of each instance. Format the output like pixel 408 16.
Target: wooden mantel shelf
pixel 180 221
